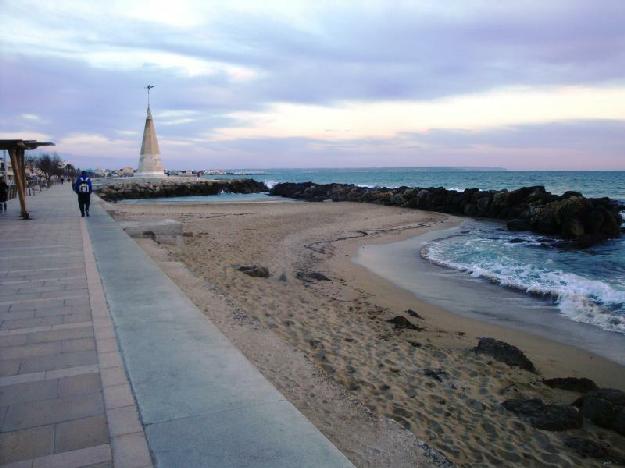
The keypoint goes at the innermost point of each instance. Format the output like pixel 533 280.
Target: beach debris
pixel 572 384
pixel 311 276
pixel 402 323
pixel 254 270
pixel 605 407
pixel 282 277
pixel 414 314
pixel 544 416
pixel 504 352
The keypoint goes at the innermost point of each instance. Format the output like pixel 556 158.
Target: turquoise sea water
pixel 586 286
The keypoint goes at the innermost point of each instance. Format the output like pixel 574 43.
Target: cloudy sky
pixel 522 85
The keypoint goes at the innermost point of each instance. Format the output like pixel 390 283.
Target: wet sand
pixel 373 390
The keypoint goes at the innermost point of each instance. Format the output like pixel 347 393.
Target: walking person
pixel 4 195
pixel 83 188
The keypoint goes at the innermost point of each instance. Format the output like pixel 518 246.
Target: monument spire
pixel 150 159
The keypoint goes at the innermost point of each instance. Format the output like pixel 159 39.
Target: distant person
pixel 83 188
pixel 62 180
pixel 4 195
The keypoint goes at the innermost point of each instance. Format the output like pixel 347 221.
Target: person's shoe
pixel 82 215
pixel 87 214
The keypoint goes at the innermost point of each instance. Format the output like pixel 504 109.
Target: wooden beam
pixel 18 176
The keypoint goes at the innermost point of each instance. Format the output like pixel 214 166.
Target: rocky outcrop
pixel 572 216
pixel 176 188
pixel 544 416
pixel 605 407
pixel 504 352
pixel 572 384
pixel 402 323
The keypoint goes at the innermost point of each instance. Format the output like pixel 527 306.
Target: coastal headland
pixel 377 370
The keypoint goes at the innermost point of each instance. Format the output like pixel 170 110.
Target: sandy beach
pixel 318 329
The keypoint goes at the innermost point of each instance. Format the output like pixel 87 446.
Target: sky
pixel 521 85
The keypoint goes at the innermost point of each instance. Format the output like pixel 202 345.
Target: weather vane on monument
pixel 149 87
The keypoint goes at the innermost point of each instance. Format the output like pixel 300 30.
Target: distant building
pixel 126 172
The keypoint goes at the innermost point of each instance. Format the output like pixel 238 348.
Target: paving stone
pixel 112 376
pixel 131 451
pixel 32 305
pixel 26 444
pixel 32 391
pixel 109 360
pixel 59 361
pixel 81 433
pixel 107 345
pixel 11 367
pixel 79 385
pixel 44 311
pixel 81 344
pixel 12 340
pixel 29 351
pixel 76 459
pixel 72 371
pixel 29 323
pixel 77 318
pixel 22 378
pixel 20 315
pixel 118 396
pixel 123 420
pixel 39 413
pixel 61 334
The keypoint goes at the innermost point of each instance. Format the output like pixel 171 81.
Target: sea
pixel 584 288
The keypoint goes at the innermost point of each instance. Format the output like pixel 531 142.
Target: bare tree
pixel 49 165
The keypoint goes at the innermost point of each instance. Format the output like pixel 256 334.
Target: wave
pixel 578 298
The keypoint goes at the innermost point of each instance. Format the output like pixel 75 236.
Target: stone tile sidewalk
pixel 77 295
pixel 65 400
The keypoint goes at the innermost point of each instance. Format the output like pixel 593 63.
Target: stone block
pixel 26 444
pixel 81 433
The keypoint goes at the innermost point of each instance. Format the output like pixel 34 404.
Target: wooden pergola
pixel 17 149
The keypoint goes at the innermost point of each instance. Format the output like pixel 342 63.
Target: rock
pixel 546 417
pixel 402 323
pixel 618 424
pixel 519 225
pixel 255 271
pixel 605 407
pixel 587 448
pixel 572 384
pixel 312 276
pixel 436 374
pixel 414 314
pixel 505 353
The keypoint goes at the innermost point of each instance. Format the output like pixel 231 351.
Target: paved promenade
pixel 105 362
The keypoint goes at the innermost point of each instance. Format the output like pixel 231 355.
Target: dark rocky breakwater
pixel 585 221
pixel 176 188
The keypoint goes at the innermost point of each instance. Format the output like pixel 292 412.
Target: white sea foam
pixel 579 298
pixel 271 183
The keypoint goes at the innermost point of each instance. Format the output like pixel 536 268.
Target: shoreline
pixel 369 373
pixel 402 264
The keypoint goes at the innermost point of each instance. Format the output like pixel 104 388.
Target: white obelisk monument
pixel 150 160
